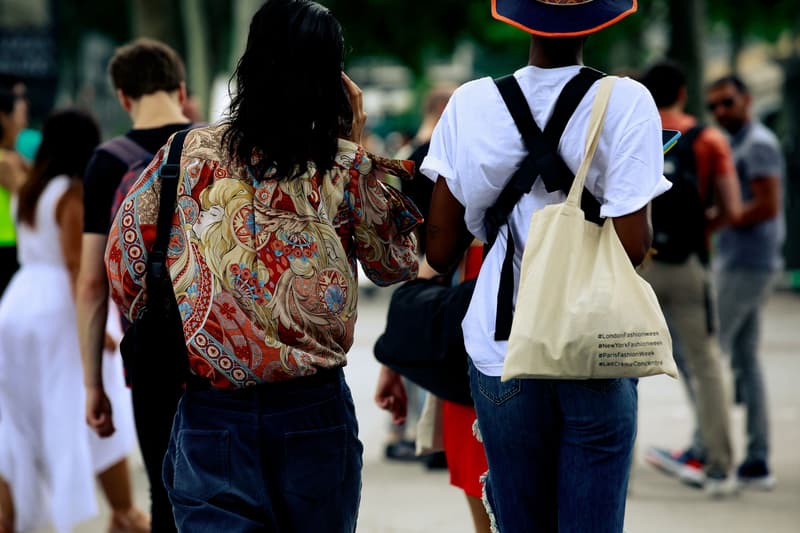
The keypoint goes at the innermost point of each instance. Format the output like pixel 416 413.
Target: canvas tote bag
pixel 582 310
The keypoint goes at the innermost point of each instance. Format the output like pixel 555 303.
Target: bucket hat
pixel 562 18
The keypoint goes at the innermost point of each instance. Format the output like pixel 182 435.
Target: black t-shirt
pixel 104 173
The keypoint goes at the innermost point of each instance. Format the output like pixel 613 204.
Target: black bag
pixel 679 220
pixel 423 340
pixel 154 349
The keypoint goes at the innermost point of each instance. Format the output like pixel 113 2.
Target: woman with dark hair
pixel 46 452
pixel 275 207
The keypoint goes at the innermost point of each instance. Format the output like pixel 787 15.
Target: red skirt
pixel 466 458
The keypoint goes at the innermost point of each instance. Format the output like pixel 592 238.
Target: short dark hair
pixel 146 66
pixel 290 104
pixel 664 80
pixel 731 79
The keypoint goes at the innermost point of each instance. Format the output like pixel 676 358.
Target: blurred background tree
pixel 397 48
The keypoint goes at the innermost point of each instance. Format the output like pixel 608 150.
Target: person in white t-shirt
pixel 559 451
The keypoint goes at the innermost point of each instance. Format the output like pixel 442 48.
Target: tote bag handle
pixel 596 121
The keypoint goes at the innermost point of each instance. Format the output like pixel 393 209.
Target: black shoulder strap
pixel 684 150
pixel 542 159
pixel 169 174
pixel 693 133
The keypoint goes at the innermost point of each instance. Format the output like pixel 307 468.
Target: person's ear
pixel 683 95
pixel 124 101
pixel 182 93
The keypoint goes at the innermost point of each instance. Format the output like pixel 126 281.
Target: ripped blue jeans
pixel 559 451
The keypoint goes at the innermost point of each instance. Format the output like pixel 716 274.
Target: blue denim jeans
pixel 282 457
pixel 559 451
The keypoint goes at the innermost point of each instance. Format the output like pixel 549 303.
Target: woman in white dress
pixel 48 457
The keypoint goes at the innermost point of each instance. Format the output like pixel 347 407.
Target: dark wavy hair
pixel 290 105
pixel 68 139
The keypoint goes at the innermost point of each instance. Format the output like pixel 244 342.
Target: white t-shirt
pixel 476 146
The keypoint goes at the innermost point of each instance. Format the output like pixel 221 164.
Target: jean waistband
pixel 324 376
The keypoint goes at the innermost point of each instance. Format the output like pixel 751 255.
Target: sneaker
pixel 402 450
pixel 436 461
pixel 684 465
pixel 755 475
pixel 719 486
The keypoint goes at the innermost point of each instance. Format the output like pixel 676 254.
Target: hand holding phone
pixel 356 97
pixel 669 138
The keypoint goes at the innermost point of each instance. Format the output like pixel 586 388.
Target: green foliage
pixel 766 19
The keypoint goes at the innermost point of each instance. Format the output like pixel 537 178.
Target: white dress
pixel 48 455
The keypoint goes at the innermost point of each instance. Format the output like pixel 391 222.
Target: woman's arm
pixel 69 215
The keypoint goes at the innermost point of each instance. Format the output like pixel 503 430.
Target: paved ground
pixel 408 499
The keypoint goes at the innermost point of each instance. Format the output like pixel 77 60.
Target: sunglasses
pixel 727 103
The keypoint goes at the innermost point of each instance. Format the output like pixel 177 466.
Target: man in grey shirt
pixel 747 259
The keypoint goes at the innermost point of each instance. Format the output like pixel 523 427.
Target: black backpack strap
pixel 126 150
pixel 542 159
pixel 169 174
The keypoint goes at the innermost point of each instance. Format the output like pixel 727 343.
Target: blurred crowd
pixel 73 208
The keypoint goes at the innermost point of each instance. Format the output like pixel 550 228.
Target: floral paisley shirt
pixel 264 272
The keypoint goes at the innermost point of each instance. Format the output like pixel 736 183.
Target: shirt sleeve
pixel 440 160
pixel 763 161
pixel 100 181
pixel 382 219
pixel 132 235
pixel 635 172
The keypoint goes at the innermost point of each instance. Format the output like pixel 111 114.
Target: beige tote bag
pixel 582 310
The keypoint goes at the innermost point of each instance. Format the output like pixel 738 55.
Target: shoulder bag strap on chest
pixel 169 174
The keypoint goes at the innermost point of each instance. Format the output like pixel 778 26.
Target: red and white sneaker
pixel 683 464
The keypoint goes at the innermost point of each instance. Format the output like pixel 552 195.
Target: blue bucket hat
pixel 562 18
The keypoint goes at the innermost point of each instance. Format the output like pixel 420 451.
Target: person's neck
pixel 674 109
pixel 554 53
pixel 156 110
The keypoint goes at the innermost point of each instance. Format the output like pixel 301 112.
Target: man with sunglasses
pixel 747 259
pixel 682 283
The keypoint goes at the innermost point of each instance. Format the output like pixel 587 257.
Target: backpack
pixel 153 348
pixel 135 157
pixel 423 340
pixel 679 220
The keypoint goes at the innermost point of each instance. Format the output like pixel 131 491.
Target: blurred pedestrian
pixel 275 208
pixel 13 170
pixel 559 451
pixel 747 261
pixel 46 452
pixel 149 79
pixel 705 195
pixel 401 445
pixel 464 456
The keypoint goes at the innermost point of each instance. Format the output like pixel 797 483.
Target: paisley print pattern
pixel 264 272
